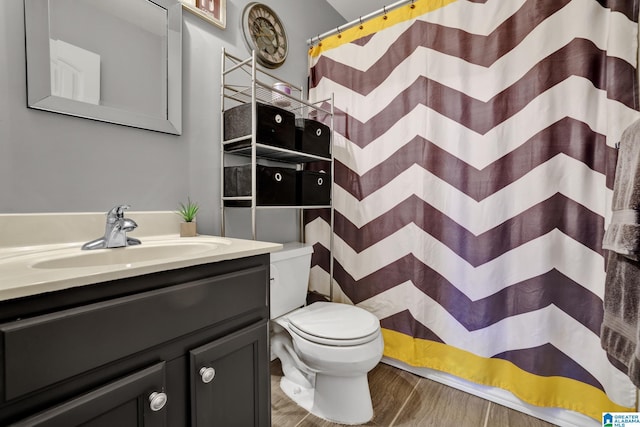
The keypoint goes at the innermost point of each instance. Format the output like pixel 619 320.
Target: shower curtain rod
pixel 341 28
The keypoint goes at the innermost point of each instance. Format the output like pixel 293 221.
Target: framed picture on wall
pixel 213 11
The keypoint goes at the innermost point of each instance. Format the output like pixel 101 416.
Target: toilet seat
pixel 334 324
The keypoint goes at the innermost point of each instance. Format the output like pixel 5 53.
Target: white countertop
pixel 24 270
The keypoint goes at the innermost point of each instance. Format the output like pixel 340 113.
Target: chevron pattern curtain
pixel 474 157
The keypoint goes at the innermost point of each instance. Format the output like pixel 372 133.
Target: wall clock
pixel 264 33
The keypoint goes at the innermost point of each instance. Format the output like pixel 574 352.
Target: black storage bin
pixel 314 188
pixel 275 126
pixel 274 186
pixel 313 137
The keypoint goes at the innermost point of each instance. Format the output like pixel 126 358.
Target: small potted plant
pixel 188 213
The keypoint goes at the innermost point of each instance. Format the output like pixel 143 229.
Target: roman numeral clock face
pixel 264 33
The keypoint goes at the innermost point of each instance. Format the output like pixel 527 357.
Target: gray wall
pixel 56 163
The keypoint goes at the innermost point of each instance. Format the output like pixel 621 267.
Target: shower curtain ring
pixel 413 6
pixel 338 31
pixel 361 26
pixel 384 9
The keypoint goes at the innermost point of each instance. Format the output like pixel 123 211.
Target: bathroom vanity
pixel 184 345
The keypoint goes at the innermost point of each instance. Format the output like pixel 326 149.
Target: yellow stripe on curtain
pixel 499 373
pixel 400 14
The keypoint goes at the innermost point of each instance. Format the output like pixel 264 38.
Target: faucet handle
pixel 117 212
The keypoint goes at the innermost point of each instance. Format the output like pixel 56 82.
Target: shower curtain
pixel 474 153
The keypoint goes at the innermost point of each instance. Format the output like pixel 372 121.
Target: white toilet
pixel 326 349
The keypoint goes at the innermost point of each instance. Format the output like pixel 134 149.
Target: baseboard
pixel 559 417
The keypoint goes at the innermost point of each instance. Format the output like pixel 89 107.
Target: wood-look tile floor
pixel 401 399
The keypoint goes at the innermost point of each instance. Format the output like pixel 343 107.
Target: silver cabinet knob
pixel 207 374
pixel 157 400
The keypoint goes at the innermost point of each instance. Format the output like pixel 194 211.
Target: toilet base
pixel 301 395
pixel 342 400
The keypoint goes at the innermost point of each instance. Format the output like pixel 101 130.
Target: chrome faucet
pixel 115 231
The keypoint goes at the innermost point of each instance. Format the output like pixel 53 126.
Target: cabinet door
pixel 125 402
pixel 230 380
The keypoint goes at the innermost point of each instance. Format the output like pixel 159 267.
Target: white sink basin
pixel 129 255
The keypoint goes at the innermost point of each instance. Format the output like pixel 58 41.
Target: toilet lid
pixel 334 324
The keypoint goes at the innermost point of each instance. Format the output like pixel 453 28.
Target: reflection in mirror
pixel 75 72
pixel 117 61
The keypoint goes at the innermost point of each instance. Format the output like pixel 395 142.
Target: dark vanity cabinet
pixel 186 347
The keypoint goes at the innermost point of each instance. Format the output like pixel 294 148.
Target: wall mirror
pixel 117 61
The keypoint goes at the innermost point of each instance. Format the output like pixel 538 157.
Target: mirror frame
pixel 39 72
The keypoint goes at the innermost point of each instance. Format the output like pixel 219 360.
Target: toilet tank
pixel 289 282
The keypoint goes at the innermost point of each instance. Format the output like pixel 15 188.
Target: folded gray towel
pixel 623 234
pixel 619 334
pixel 620 331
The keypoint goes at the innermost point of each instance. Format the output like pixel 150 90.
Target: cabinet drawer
pixel 123 402
pixel 40 351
